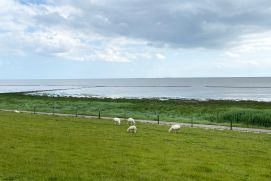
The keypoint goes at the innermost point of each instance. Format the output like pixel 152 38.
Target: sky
pixel 68 39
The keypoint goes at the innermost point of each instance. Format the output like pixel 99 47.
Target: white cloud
pixel 254 42
pixel 232 54
pixel 29 29
pixel 251 50
pixel 160 56
pixel 124 31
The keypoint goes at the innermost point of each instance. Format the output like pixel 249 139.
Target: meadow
pixel 38 147
pixel 242 113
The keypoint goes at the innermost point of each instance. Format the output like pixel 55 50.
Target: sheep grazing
pixel 174 128
pixel 131 121
pixel 117 121
pixel 16 111
pixel 131 129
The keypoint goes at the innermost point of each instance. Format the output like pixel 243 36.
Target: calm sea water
pixel 165 88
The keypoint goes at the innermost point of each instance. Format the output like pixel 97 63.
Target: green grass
pixel 36 147
pixel 242 113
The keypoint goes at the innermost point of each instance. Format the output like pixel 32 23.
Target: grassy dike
pixel 38 147
pixel 242 113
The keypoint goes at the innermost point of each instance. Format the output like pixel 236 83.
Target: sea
pixel 242 88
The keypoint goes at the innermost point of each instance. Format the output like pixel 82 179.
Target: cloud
pixel 160 56
pixel 185 24
pixel 120 30
pixel 254 42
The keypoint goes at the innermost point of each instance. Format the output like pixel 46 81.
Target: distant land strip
pixel 89 86
pixel 148 86
pixel 245 87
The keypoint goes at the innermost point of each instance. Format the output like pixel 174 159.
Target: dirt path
pixel 206 126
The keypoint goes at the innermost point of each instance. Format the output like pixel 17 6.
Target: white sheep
pixel 131 121
pixel 117 121
pixel 131 129
pixel 174 128
pixel 16 111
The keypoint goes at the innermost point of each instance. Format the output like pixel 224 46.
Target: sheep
pixel 174 128
pixel 117 121
pixel 131 121
pixel 132 129
pixel 16 111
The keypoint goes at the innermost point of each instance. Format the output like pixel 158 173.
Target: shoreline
pixel 139 98
pixel 41 93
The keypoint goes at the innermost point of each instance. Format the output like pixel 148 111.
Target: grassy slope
pixel 35 147
pixel 241 112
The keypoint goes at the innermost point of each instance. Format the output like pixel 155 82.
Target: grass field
pixel 35 147
pixel 242 113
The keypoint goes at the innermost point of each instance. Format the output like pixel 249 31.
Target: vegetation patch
pixel 240 113
pixel 39 147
